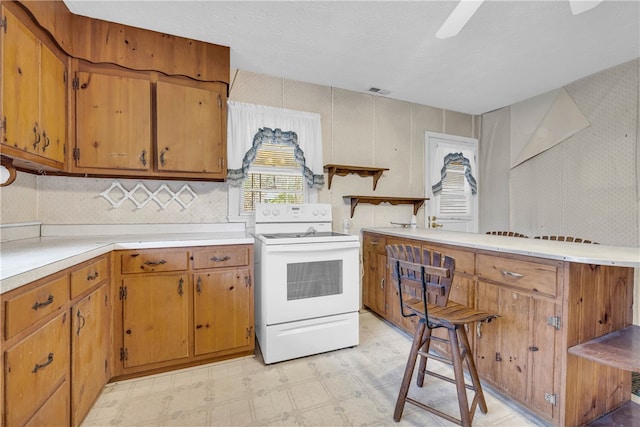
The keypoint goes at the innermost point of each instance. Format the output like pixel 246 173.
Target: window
pixel 274 177
pixel 455 198
pixel 273 169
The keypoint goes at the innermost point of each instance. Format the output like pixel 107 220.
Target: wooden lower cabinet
pixel 221 311
pixel 545 307
pixel 155 316
pixel 56 345
pixel 375 273
pixel 90 350
pixel 34 368
pixel 182 306
pixel 516 352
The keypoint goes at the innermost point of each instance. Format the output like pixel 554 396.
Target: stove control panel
pixel 285 212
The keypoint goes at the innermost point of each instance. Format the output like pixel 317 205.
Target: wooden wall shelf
pixel 343 170
pixel 375 200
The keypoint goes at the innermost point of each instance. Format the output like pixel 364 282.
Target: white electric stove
pixel 307 282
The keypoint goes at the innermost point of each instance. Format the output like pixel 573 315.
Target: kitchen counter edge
pixel 27 260
pixel 563 251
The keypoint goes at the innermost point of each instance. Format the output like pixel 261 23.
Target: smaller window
pixel 274 177
pixel 456 193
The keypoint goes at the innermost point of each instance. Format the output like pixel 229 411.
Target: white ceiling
pixel 508 52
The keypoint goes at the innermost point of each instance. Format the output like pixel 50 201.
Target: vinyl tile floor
pixel 351 387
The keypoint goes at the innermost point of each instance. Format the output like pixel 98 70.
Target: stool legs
pixel 408 371
pixel 460 352
pixel 458 373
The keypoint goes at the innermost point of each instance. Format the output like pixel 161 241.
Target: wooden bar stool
pixel 424 281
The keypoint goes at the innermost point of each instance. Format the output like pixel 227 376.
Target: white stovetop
pixel 564 251
pixel 28 259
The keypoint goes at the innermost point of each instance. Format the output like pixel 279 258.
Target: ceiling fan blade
pixel 458 18
pixel 579 6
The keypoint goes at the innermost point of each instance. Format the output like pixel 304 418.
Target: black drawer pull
pixel 224 258
pixel 45 364
pixel 155 262
pixel 93 276
pixel 38 305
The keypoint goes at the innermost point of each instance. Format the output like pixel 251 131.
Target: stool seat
pixel 423 279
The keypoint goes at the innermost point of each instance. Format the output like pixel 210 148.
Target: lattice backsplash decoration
pixel 141 196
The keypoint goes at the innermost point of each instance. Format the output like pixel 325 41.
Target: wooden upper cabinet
pixel 144 104
pixel 34 105
pixel 53 117
pixel 146 124
pixel 191 127
pixel 113 120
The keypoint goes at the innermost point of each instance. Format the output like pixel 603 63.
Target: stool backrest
pixel 566 239
pixel 506 233
pixel 421 274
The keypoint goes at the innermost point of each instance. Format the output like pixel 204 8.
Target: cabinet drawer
pixel 465 261
pixel 531 276
pixel 25 309
pixel 221 257
pixel 154 261
pixel 55 412
pixel 375 243
pixel 89 276
pixel 34 368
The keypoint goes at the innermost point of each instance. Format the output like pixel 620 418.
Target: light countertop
pixel 564 251
pixel 25 260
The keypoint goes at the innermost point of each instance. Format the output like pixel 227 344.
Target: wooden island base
pixel 555 299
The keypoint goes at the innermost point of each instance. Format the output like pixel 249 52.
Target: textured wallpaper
pixel 65 200
pixel 586 186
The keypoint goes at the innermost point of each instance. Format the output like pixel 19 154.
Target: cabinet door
pixel 543 380
pixel 487 335
pixel 155 319
pixel 223 314
pixel 20 84
pixel 374 282
pixel 502 345
pixel 113 121
pixel 53 106
pixel 90 346
pixel 191 128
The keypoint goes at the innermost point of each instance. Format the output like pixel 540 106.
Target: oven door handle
pixel 312 247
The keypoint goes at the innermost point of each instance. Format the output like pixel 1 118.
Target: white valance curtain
pixel 245 121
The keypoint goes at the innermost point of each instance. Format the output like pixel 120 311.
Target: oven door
pixel 304 281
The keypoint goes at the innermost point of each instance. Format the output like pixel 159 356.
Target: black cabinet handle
pixel 81 322
pixel 152 263
pixel 38 305
pixel 36 140
pixel 93 276
pixel 224 258
pixel 47 141
pixel 43 365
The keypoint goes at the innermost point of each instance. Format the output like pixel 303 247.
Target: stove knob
pixel 324 212
pixel 315 212
pixel 265 212
pixel 276 212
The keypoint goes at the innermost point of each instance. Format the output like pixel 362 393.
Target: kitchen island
pixel 550 295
